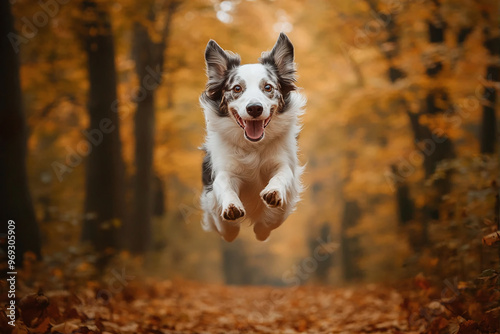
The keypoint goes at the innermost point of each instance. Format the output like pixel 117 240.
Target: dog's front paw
pixel 272 198
pixel 232 212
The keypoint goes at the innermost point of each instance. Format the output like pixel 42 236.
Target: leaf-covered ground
pixel 187 307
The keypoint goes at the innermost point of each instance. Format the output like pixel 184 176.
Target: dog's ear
pixel 218 63
pixel 281 59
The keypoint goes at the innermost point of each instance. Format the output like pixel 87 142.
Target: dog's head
pixel 250 94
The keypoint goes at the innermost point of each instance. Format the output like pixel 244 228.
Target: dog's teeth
pixel 266 122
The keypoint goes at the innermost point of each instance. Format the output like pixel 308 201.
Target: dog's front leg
pixel 226 189
pixel 279 187
pixel 280 196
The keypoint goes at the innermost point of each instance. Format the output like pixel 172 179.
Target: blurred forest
pixel 99 100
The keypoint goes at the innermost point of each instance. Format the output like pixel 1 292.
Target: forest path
pixel 263 309
pixel 189 307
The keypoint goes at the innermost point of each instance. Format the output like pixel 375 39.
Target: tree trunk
pixel 103 212
pixel 324 259
pixel 405 204
pixel 488 132
pixel 144 141
pixel 149 66
pixel 434 147
pixel 235 266
pixel 390 49
pixel 15 199
pixel 350 246
pixel 437 101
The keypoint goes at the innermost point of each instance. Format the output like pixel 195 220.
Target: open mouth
pixel 254 129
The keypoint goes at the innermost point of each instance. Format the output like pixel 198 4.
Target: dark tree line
pixel 106 219
pixel 105 209
pixel 435 146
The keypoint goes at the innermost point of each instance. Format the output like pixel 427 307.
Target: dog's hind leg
pixel 228 230
pixel 270 220
pixel 208 205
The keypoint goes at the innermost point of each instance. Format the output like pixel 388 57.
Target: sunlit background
pixel 399 135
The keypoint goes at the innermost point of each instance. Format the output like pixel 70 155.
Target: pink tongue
pixel 254 129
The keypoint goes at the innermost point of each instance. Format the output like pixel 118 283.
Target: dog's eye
pixel 268 88
pixel 237 89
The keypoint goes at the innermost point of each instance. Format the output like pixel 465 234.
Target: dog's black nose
pixel 255 109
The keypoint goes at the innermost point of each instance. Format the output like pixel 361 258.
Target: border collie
pixel 250 169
